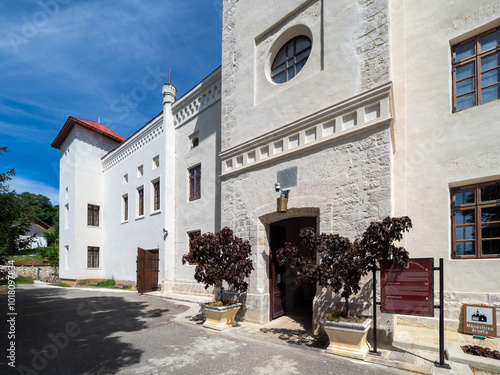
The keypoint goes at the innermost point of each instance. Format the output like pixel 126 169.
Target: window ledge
pixel 139 217
pixel 93 226
pixel 155 213
pixel 93 269
pixel 125 222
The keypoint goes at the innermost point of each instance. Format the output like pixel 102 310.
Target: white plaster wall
pixel 349 55
pixel 202 214
pixel 435 148
pixel 66 209
pixel 122 238
pixel 81 173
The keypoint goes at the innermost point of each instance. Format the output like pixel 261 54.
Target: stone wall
pixel 345 184
pixel 373 43
pixel 46 273
pixel 230 57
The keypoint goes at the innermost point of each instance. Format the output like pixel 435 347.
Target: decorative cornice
pixel 202 96
pixel 360 113
pixel 134 143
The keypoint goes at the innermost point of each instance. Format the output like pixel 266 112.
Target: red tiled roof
pixel 91 125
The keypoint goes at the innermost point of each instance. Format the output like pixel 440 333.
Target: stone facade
pixel 373 43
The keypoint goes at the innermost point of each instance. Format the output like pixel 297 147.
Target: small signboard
pixel 408 289
pixel 480 320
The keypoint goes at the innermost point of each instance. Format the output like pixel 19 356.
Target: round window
pixel 290 59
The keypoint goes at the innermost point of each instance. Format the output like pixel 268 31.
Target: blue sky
pixel 93 59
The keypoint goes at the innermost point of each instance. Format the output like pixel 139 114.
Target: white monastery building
pixel 363 109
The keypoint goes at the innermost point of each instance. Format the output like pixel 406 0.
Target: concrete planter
pixel 220 318
pixel 347 339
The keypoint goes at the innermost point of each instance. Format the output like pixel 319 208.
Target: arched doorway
pixel 287 297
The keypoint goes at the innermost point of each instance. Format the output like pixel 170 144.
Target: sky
pixel 95 60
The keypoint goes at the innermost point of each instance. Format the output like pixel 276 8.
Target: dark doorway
pixel 288 298
pixel 148 262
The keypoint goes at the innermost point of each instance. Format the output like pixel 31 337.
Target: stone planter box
pixel 347 339
pixel 220 318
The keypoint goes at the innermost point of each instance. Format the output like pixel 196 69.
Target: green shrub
pixel 109 283
pixel 50 254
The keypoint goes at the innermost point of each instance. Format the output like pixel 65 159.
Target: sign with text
pixel 480 320
pixel 408 289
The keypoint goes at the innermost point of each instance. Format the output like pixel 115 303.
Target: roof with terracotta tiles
pixel 96 127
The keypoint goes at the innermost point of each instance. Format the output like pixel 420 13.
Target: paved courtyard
pixel 73 331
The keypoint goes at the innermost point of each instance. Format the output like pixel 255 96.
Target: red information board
pixel 408 290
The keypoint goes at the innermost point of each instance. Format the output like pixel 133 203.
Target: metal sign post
pixel 441 363
pixel 410 291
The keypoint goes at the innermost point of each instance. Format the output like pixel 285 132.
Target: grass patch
pixel 24 280
pixel 63 285
pixel 28 259
pixel 109 283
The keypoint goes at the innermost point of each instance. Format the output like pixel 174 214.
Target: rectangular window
pixel 476 70
pixel 476 221
pixel 156 202
pixel 93 215
pixel 140 201
pixel 92 257
pixel 195 183
pixel 192 236
pixel 156 162
pixel 125 207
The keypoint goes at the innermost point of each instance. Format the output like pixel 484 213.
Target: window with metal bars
pixel 476 70
pixel 195 183
pixel 476 221
pixel 93 215
pixel 290 59
pixel 92 257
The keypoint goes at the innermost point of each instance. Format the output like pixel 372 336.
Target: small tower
pixel 169 92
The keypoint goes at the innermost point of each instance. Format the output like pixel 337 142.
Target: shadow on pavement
pixel 60 332
pixel 297 337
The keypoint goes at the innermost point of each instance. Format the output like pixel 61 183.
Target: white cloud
pixel 21 185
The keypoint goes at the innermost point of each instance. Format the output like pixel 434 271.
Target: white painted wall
pixel 435 148
pixel 122 238
pixel 200 120
pixel 81 177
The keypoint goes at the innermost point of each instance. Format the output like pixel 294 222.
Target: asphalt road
pixel 71 332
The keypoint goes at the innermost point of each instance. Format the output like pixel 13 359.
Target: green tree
pixel 5 176
pixel 15 220
pixel 40 208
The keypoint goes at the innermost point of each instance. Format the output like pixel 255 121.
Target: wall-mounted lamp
pixel 283 199
pixel 165 232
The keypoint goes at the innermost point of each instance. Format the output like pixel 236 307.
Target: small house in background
pixel 36 233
